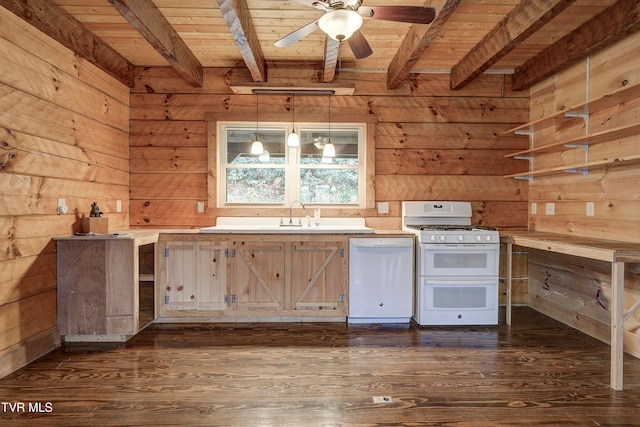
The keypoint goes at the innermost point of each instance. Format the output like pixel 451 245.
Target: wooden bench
pixel 616 253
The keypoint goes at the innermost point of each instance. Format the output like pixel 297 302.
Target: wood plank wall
pixel 430 144
pixel 570 290
pixel 63 134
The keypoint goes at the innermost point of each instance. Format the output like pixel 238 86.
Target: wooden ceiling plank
pixel 145 17
pixel 415 43
pixel 58 24
pixel 331 49
pixel 604 29
pixel 238 18
pixel 525 19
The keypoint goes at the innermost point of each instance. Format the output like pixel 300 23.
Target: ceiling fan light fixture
pixel 340 24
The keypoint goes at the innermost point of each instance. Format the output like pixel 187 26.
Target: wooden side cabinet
pixel 100 294
pixel 240 277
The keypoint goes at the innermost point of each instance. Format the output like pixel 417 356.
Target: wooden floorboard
pixel 536 372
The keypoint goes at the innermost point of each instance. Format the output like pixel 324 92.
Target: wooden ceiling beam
pixel 415 43
pixel 145 17
pixel 55 22
pixel 331 49
pixel 525 19
pixel 238 18
pixel 613 24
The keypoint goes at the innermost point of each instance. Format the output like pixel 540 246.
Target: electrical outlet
pixel 200 207
pixel 383 207
pixel 591 209
pixel 62 208
pixel 550 208
pixel 534 208
pixel 118 205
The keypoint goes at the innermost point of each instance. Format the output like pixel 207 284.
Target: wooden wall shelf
pixel 582 110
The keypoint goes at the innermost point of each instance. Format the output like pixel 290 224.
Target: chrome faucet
pixel 304 209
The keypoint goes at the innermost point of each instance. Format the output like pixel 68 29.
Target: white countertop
pixel 271 225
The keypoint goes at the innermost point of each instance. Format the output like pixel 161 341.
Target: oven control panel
pixel 461 238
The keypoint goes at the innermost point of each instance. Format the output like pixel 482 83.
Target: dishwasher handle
pixel 382 242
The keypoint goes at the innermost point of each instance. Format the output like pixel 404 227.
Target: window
pixel 283 174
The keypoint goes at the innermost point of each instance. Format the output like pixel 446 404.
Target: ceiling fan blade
pixel 359 45
pixel 410 14
pixel 298 34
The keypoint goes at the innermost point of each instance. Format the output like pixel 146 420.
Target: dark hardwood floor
pixel 536 372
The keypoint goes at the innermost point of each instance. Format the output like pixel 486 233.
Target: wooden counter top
pixel 585 247
pixel 615 252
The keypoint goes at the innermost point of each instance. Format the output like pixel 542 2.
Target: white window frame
pixel 292 163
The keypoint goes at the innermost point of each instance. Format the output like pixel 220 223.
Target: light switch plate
pixel 591 209
pixel 383 207
pixel 534 208
pixel 200 207
pixel 118 205
pixel 551 208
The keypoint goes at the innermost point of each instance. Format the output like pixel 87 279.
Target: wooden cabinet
pixel 192 275
pixel 319 276
pixel 542 142
pixel 241 277
pixel 99 287
pixel 257 276
pixel 211 276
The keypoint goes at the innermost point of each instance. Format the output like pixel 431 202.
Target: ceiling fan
pixel 343 18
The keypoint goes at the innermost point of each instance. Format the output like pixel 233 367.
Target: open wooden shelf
pixel 577 167
pixel 581 110
pixel 599 103
pixel 594 138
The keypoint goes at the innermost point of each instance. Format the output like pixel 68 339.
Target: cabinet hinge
pixel 341 253
pixel 233 253
pixel 226 297
pixel 233 298
pixel 166 299
pixel 166 252
pixel 341 297
pixel 226 255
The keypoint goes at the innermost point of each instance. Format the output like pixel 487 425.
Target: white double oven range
pixel 456 264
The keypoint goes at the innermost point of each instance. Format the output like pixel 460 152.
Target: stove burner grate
pixel 451 227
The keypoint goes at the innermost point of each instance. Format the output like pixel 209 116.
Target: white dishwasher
pixel 380 280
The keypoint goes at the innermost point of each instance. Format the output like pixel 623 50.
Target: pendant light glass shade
pixel 293 140
pixel 340 24
pixel 329 150
pixel 264 157
pixel 256 147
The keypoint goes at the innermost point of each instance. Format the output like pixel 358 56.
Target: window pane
pixel 255 185
pixel 329 186
pixel 312 143
pixel 239 142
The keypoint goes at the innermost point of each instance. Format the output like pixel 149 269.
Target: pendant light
pixel 256 147
pixel 264 157
pixel 329 149
pixel 293 140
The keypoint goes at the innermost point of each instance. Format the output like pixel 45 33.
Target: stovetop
pixel 454 234
pixel 439 227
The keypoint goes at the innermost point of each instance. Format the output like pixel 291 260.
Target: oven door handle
pixel 458 282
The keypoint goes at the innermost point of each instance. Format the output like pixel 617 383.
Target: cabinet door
pixel 212 276
pixel 180 282
pixel 318 274
pixel 257 282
